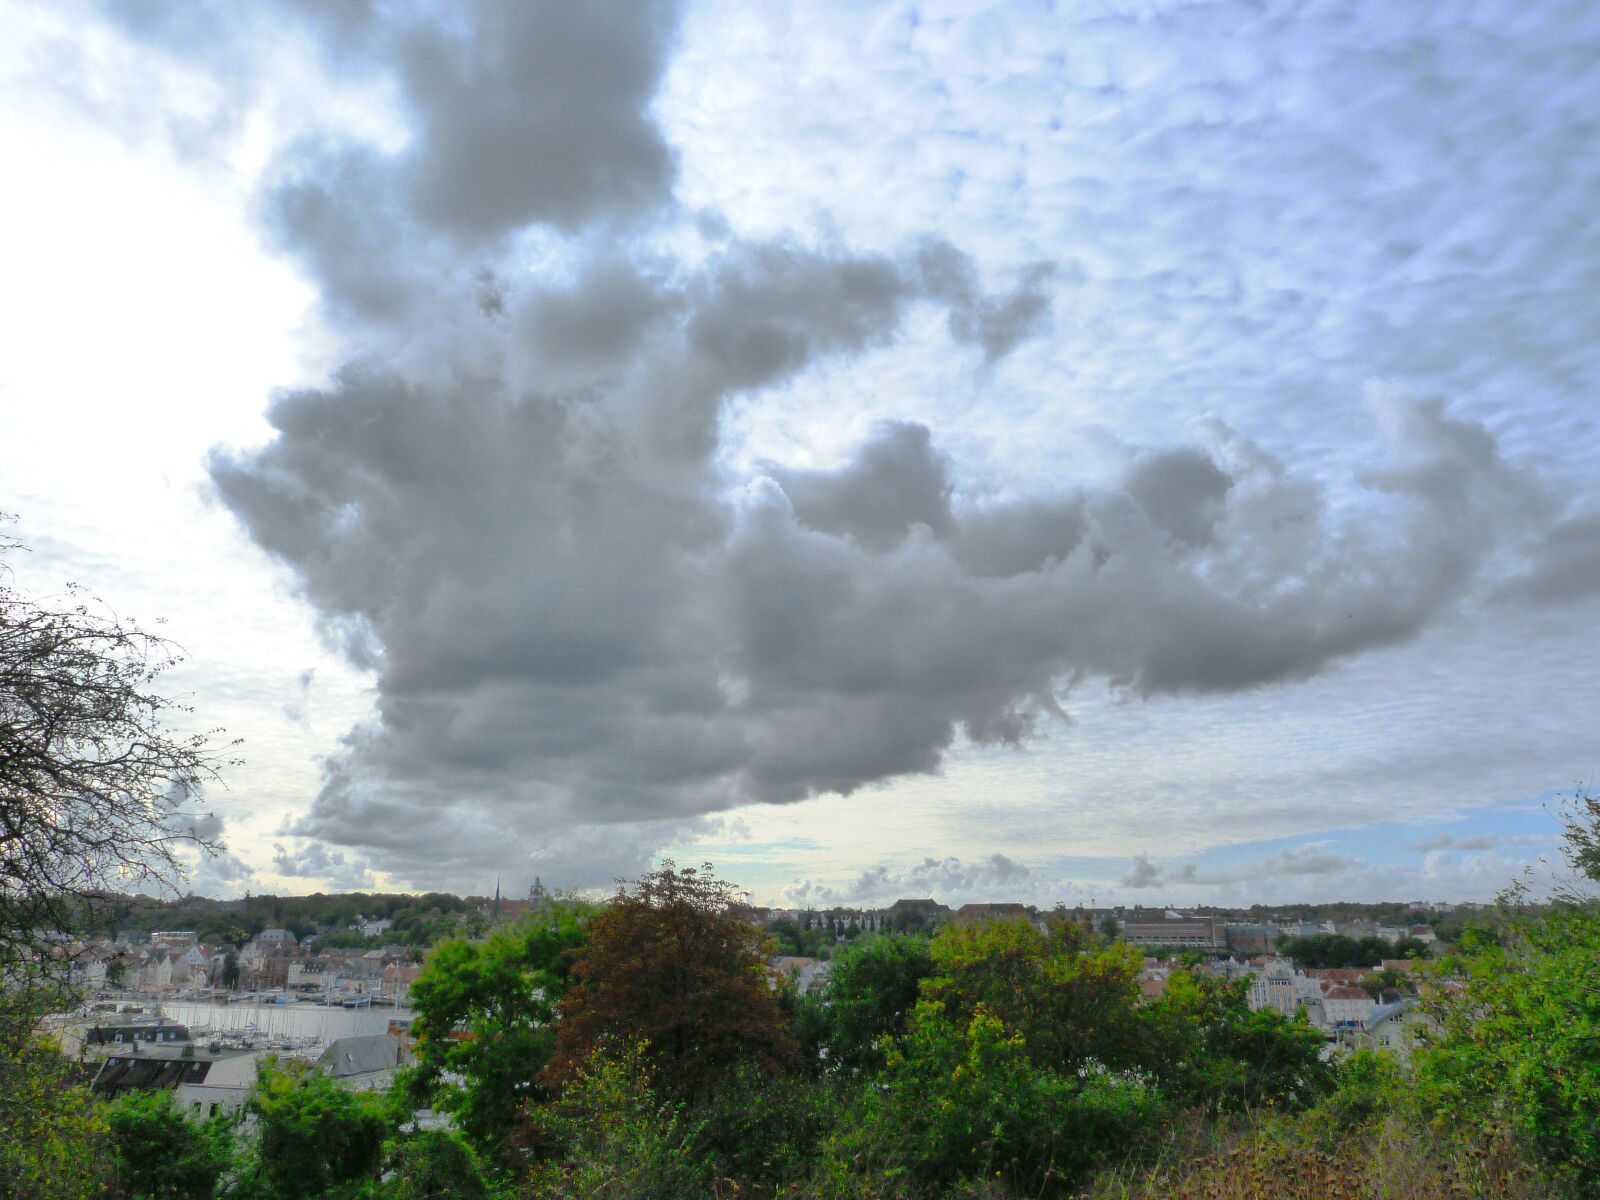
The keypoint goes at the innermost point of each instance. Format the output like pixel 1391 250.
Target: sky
pixel 1114 452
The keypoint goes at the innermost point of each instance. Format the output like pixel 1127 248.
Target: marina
pixel 298 1026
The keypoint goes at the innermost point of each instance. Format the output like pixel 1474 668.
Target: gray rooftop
pixel 360 1055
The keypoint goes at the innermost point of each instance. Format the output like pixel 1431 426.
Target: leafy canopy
pixel 314 1140
pixel 485 1023
pixel 1071 998
pixel 865 998
pixel 674 963
pixel 162 1155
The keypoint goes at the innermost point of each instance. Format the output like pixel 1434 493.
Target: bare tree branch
pixel 97 791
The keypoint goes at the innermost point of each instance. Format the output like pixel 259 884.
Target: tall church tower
pixel 536 896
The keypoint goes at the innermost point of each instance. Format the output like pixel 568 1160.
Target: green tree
pixel 1580 817
pixel 1375 983
pixel 1408 947
pixel 1072 999
pixel 433 1164
pixel 1336 950
pixel 161 1155
pixel 1212 1051
pixel 1517 1036
pixel 230 970
pixel 872 986
pixel 314 1140
pixel 963 1100
pixel 53 1139
pixel 485 1023
pixel 673 963
pixel 1518 1040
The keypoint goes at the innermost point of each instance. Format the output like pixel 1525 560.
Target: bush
pixel 864 999
pixel 314 1140
pixel 765 1131
pixel 967 1102
pixel 1365 1087
pixel 161 1155
pixel 612 1138
pixel 1212 1051
pixel 1518 1042
pixel 53 1140
pixel 1074 1001
pixel 433 1165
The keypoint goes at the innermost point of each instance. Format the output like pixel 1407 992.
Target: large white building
pixel 1346 1006
pixel 1274 987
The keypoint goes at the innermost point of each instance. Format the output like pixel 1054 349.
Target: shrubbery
pixel 1518 1042
pixel 161 1154
pixel 964 1100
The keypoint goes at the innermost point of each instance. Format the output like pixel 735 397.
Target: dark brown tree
pixel 674 962
pixel 96 789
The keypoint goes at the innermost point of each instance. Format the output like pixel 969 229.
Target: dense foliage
pixel 163 1155
pixel 673 965
pixel 1336 950
pixel 963 1099
pixel 1518 1027
pixel 53 1139
pixel 864 1000
pixel 420 920
pixel 485 1023
pixel 644 1051
pixel 314 1140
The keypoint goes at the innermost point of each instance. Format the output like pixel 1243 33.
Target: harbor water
pixel 309 1022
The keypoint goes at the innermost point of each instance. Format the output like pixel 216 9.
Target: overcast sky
pixel 1131 451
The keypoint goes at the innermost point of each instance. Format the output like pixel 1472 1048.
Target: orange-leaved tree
pixel 674 962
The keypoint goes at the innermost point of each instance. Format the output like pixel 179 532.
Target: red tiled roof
pixel 1345 993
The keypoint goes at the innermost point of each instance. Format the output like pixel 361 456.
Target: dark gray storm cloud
pixel 522 112
pixel 895 484
pixel 534 110
pixel 996 324
pixel 1564 565
pixel 579 620
pixel 513 509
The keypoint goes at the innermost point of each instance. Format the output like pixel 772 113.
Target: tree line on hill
pixel 418 920
pixel 1337 950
